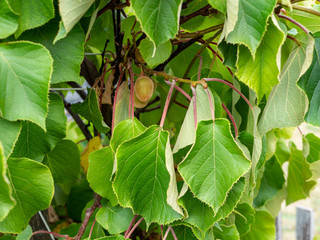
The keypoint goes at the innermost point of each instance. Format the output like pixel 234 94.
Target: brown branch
pixel 307 10
pixel 205 11
pixel 81 93
pixel 89 212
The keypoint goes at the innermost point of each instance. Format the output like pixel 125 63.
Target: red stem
pixel 128 229
pixel 194 106
pixel 231 118
pixel 303 28
pixel 180 90
pixel 94 222
pixel 165 110
pixel 115 100
pixel 173 233
pixel 52 233
pixel 166 234
pixel 134 228
pixel 230 85
pixel 211 104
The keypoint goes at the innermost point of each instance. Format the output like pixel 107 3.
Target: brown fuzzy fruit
pixel 143 88
pixel 138 103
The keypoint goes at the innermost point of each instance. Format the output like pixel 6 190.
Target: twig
pixel 307 10
pixel 200 33
pixel 92 226
pixel 77 119
pixel 134 228
pixel 180 104
pixel 182 46
pixel 205 11
pixel 173 233
pixel 303 28
pixel 294 39
pixel 110 5
pixel 81 93
pixel 180 90
pixel 166 234
pixel 89 212
pixel 51 233
pixel 130 225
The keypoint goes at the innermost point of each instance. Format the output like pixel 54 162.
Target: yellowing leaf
pixel 93 145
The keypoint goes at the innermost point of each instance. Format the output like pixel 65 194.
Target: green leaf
pixel 187 134
pixel 251 23
pixel 200 215
pixel 101 161
pixel 226 232
pixel 32 14
pixel 244 217
pixel 282 151
pixel 33 142
pixel 145 179
pixel 89 109
pixel 114 219
pixel 32 188
pixel 29 87
pixel 298 186
pixel 126 130
pixel 308 20
pixel 122 103
pixel 71 11
pixel 154 56
pixel 159 19
pixel 214 163
pixel 9 135
pixel 263 228
pixel 233 197
pixel 220 5
pixel 64 162
pixel 6 200
pixel 261 73
pixel 26 234
pixel 287 104
pixel 310 83
pixel 67 54
pixel 271 182
pixel 183 233
pixel 229 52
pixel 314 148
pixel 8 20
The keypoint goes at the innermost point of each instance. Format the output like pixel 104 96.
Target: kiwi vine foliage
pixel 201 155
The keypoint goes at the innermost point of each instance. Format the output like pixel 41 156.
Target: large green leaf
pixel 64 162
pixel 187 131
pixel 114 219
pixel 67 54
pixel 9 135
pixel 145 178
pixel 308 20
pixel 32 188
pixel 287 103
pixel 101 161
pixel 263 227
pixel 28 83
pixel 298 185
pixel 33 142
pixel 220 5
pixel 271 182
pixel 310 83
pixel 8 20
pixel 32 13
pixel 251 23
pixel 71 11
pixel 89 109
pixel 261 73
pixel 126 130
pixel 214 163
pixel 158 18
pixel 6 200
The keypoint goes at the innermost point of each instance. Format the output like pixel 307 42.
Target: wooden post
pixel 278 224
pixel 304 223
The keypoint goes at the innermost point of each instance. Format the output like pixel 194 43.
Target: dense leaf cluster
pixel 204 158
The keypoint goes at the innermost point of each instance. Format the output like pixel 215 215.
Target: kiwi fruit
pixel 143 88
